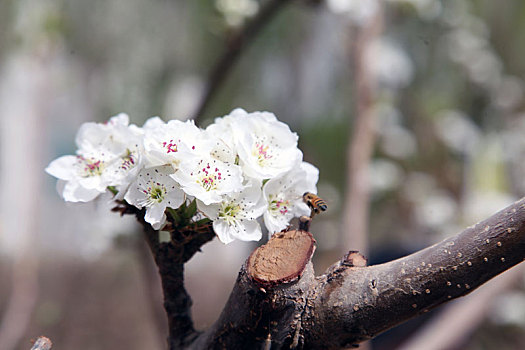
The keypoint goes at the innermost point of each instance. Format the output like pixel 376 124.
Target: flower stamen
pixel 155 193
pixel 90 166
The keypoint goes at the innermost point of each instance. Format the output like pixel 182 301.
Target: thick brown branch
pixel 267 301
pixel 277 301
pixel 352 304
pixel 237 43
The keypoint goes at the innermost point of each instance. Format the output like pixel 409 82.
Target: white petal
pixel 120 119
pixel 153 122
pixel 73 192
pixel 222 230
pixel 174 198
pixel 211 210
pixel 227 179
pixel 155 215
pixel 134 196
pixel 62 168
pixel 248 230
pixel 275 223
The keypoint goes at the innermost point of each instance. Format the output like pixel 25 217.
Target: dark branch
pixel 351 303
pixel 170 258
pixel 277 301
pixel 355 304
pixel 237 43
pixel 268 298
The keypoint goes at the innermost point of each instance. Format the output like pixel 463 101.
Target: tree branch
pixel 351 303
pixel 237 43
pixel 277 301
pixel 355 304
pixel 170 258
pixel 268 298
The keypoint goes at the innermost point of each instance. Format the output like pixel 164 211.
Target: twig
pixel 42 343
pixel 237 43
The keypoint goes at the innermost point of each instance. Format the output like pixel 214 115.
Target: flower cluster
pixel 242 167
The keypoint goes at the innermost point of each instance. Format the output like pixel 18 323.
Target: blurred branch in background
pixel 24 85
pixel 454 325
pixel 235 46
pixel 356 205
pixel 359 151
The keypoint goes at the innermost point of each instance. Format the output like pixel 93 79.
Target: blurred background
pixel 413 110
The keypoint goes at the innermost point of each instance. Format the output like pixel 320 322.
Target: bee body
pixel 316 203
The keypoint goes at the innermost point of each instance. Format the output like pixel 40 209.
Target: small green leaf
pixel 176 217
pixel 202 222
pixel 112 189
pixel 192 209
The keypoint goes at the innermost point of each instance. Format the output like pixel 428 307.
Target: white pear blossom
pixel 208 179
pixel 236 216
pixel 266 147
pixel 155 190
pixel 284 196
pixel 108 155
pixel 160 165
pixel 223 131
pixel 173 142
pixel 80 178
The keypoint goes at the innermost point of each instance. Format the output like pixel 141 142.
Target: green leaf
pixel 176 217
pixel 202 222
pixel 192 209
pixel 112 189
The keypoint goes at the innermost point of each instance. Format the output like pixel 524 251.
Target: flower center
pixel 230 212
pixel 170 146
pixel 128 160
pixel 278 205
pixel 262 152
pixel 155 193
pixel 209 177
pixel 90 166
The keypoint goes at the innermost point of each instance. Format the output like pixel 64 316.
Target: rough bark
pixel 350 304
pixel 267 302
pixel 277 302
pixel 170 258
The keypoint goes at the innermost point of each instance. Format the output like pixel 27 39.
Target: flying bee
pixel 316 203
